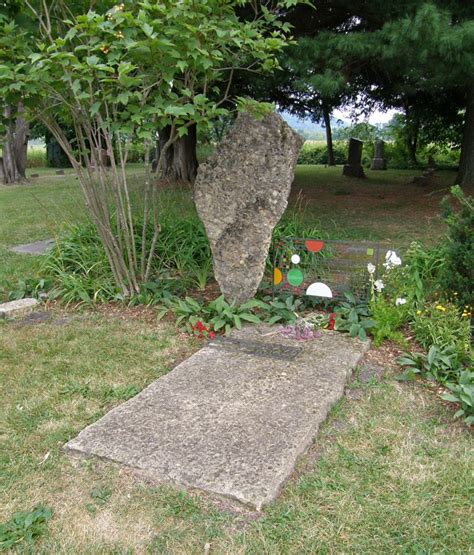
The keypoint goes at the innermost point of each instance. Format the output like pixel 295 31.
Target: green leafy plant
pixel 462 392
pixel 182 309
pixel 281 309
pixel 389 317
pixel 29 287
pixel 101 495
pixel 224 315
pixel 153 292
pixel 442 324
pixel 24 526
pixel 79 269
pixel 418 278
pixel 217 315
pixel 317 153
pixel 353 316
pixel 440 364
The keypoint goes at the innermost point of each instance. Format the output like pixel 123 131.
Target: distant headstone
pixel 353 168
pixel 379 161
pixel 241 192
pixel 34 175
pixel 55 155
pixel 59 172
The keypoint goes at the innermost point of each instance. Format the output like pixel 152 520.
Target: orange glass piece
pixel 277 276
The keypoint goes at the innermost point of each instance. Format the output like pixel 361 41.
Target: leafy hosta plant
pixel 353 316
pixel 462 393
pixel 439 363
pixel 218 315
pixel 225 315
pixel 281 309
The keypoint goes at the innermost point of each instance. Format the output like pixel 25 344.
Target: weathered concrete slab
pixel 228 421
pixel 15 309
pixel 37 248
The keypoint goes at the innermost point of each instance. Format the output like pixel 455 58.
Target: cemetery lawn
pixel 391 472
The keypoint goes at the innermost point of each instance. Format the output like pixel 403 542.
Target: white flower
pixel 370 268
pixel 400 301
pixel 379 285
pixel 391 260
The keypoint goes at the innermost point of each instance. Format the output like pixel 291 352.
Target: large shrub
pixel 457 277
pixel 317 153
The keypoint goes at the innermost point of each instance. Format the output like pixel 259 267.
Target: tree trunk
pixel 412 146
pixel 15 147
pixel 327 125
pixel 465 175
pixel 167 164
pixel 22 130
pixel 185 162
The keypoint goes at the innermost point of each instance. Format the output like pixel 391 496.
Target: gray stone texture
pixel 353 168
pixel 228 422
pixel 16 309
pixel 379 161
pixel 241 192
pixel 36 248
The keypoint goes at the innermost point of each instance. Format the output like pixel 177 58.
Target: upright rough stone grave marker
pixel 241 192
pixel 379 161
pixel 353 168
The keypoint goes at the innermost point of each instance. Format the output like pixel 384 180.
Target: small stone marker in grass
pixel 231 420
pixel 16 309
pixel 36 248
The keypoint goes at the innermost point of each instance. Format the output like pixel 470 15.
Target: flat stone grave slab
pixel 37 248
pixel 233 418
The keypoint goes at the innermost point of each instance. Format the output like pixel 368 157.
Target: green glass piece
pixel 295 277
pixel 370 252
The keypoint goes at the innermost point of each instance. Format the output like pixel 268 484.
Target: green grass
pixel 34 211
pixel 390 473
pixel 386 206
